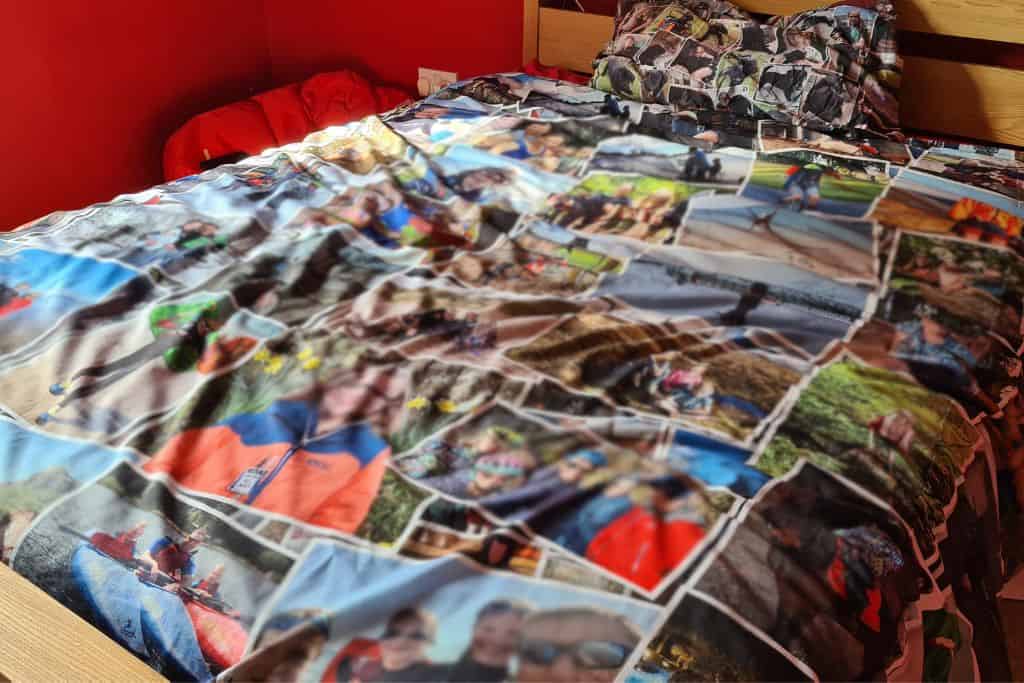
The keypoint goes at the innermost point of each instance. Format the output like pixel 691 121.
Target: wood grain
pixel 968 100
pixel 984 19
pixel 571 40
pixel 530 28
pixel 41 640
pixel 938 96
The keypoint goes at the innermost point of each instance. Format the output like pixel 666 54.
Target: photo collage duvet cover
pixel 526 382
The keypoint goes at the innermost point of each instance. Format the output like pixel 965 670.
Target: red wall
pixel 93 89
pixel 390 39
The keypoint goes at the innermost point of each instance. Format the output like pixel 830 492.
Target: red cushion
pixel 274 118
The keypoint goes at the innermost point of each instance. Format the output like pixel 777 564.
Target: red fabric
pixel 358 655
pixel 15 304
pixel 274 118
pixel 535 68
pixel 643 548
pixel 119 547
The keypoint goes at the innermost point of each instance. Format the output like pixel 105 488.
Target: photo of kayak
pixel 178 588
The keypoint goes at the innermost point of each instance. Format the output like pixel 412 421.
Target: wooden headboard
pixel 945 97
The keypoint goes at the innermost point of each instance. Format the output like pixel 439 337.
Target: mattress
pixel 526 382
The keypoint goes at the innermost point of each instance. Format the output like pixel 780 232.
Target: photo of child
pixel 804 180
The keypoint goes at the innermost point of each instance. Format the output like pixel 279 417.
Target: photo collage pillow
pixel 826 69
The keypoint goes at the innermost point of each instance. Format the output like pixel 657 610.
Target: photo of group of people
pixel 441 620
pixel 805 180
pixel 935 204
pixel 535 265
pixel 885 432
pixel 638 207
pixel 271 189
pixel 569 486
pixel 388 214
pixel 836 249
pixel 668 370
pixel 172 582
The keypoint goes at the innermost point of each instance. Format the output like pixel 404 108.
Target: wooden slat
pixel 968 100
pixel 41 640
pixel 1001 20
pixel 571 40
pixel 530 30
pixel 983 19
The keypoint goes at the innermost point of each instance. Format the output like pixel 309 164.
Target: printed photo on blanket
pixel 923 202
pixel 173 583
pixel 39 469
pixel 187 245
pixel 837 249
pixel 562 147
pixel 563 568
pixel 533 265
pixel 978 565
pixel 385 212
pixel 667 369
pixel 1005 176
pixel 38 288
pixel 322 268
pixel 491 547
pixel 805 180
pixel 270 188
pixel 714 463
pixel 570 487
pixel 814 561
pixel 775 136
pixel 497 179
pixel 785 305
pixel 643 208
pixel 970 281
pixel 701 642
pixel 904 443
pixel 357 147
pixel 144 365
pixel 723 168
pixel 439 620
pixel 943 352
pixel 419 319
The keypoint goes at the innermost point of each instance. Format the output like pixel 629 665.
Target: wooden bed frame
pixel 944 97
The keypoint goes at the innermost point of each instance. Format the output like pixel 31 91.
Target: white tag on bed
pixel 247 481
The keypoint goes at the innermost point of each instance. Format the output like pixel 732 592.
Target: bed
pixel 531 381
